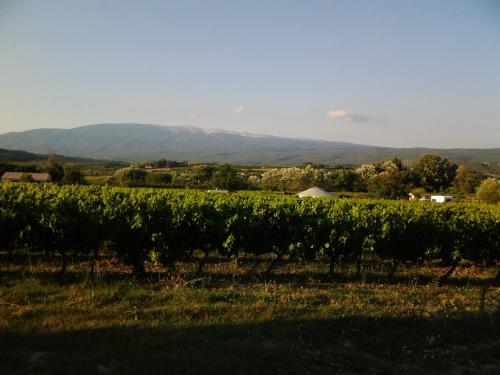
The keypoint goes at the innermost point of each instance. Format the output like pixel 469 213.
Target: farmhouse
pixel 19 176
pixel 314 192
pixel 441 198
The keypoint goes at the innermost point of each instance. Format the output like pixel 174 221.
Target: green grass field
pixel 233 319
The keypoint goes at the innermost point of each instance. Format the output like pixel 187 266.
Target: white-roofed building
pixel 20 176
pixel 441 198
pixel 314 192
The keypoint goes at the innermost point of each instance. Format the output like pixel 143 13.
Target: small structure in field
pixel 25 176
pixel 419 195
pixel 415 197
pixel 441 198
pixel 314 192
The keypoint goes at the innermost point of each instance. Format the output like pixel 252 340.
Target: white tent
pixel 314 192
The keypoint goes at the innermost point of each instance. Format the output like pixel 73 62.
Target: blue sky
pixel 396 73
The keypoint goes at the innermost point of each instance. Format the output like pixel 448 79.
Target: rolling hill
pixel 24 157
pixel 139 142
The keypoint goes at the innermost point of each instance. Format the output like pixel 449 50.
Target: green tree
pixel 343 179
pixel 390 184
pixel 203 173
pixel 162 163
pixel 73 176
pixel 130 176
pixel 435 173
pixel 467 180
pixel 489 190
pixel 225 177
pixel 55 170
pixel 4 167
pixel 155 178
pixel 393 164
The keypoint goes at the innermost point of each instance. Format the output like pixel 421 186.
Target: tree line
pixel 69 174
pixel 387 179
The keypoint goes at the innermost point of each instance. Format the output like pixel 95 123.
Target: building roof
pixel 314 192
pixel 16 176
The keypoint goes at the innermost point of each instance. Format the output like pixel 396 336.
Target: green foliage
pixel 158 179
pixel 164 163
pixel 435 173
pixel 173 224
pixel 344 179
pixel 26 177
pixel 467 180
pixel 300 178
pixel 203 173
pixel 4 167
pixel 489 190
pixel 390 184
pixel 130 176
pixel 225 177
pixel 73 176
pixel 55 170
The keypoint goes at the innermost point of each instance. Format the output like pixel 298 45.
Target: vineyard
pixel 160 226
pixel 243 283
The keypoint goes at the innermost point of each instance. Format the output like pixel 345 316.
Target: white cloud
pixel 338 113
pixel 240 109
pixel 342 113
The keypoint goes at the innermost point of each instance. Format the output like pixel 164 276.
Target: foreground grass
pixel 295 321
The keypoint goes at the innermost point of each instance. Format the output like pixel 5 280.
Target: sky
pixel 395 73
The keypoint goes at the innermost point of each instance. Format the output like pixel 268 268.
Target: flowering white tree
pixel 291 178
pixel 366 172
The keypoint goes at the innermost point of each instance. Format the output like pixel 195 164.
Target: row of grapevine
pixel 138 224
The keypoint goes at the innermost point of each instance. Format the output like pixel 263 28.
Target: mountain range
pixel 141 142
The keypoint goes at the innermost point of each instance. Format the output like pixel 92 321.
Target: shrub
pixel 26 177
pixel 155 179
pixel 130 176
pixel 73 176
pixel 489 190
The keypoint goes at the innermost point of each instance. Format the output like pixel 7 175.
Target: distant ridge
pixel 19 156
pixel 142 142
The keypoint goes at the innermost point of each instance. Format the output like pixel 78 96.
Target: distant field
pixel 229 321
pixel 96 180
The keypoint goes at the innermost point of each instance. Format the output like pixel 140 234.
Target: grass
pixel 97 180
pixel 295 321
